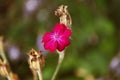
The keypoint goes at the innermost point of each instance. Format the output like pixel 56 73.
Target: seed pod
pixel 64 15
pixel 36 60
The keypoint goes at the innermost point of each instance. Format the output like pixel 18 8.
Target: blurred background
pixel 94 53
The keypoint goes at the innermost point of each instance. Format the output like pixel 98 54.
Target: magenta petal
pixel 58 39
pixel 67 33
pixel 50 45
pixel 46 37
pixel 62 44
pixel 59 28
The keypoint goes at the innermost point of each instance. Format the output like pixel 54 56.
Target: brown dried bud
pixel 36 60
pixel 64 15
pixel 41 60
pixel 34 64
pixel 14 76
pixel 4 69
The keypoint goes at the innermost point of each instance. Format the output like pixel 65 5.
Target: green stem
pixel 61 57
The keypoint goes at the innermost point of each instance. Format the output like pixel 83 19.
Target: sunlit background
pixel 94 53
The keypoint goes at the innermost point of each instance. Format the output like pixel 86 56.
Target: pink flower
pixel 57 39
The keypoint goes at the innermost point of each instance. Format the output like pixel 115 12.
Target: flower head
pixel 58 38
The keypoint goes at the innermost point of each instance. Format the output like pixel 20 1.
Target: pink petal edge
pixel 67 33
pixel 46 37
pixel 62 44
pixel 59 28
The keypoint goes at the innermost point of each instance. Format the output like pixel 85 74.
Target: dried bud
pixel 64 15
pixel 36 60
pixel 14 76
pixel 4 69
pixel 41 59
pixel 34 64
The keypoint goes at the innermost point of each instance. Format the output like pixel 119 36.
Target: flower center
pixel 56 36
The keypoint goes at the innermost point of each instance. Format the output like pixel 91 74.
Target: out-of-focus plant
pixel 5 69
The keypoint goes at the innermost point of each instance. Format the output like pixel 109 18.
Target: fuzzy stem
pixel 8 77
pixel 2 54
pixel 61 57
pixel 40 74
pixel 34 75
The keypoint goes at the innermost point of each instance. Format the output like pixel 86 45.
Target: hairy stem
pixel 2 54
pixel 60 60
pixel 34 75
pixel 8 77
pixel 40 74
